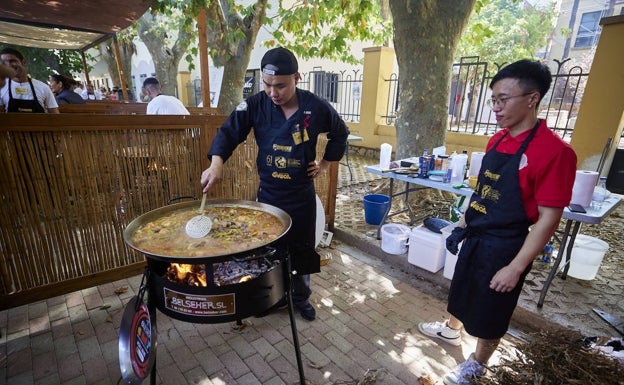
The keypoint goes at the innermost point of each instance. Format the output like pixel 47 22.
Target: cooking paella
pixel 234 229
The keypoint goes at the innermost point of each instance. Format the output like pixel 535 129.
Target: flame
pixel 194 275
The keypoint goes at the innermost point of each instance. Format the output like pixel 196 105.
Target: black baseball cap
pixel 279 61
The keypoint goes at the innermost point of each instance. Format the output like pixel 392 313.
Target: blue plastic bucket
pixel 375 208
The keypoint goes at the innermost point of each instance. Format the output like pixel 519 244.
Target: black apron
pixel 497 226
pixel 283 157
pixel 19 105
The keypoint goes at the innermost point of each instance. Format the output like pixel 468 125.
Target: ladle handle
pixel 203 204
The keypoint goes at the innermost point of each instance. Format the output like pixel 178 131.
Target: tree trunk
pixel 108 54
pixel 232 54
pixel 426 33
pixel 233 80
pixel 166 59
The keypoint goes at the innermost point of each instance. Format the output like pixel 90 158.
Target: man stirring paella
pixel 286 122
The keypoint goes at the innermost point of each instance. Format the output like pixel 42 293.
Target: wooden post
pixel 203 58
pixel 85 68
pixel 122 78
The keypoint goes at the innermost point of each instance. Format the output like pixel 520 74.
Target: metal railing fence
pixel 342 90
pixel 467 110
pixel 469 91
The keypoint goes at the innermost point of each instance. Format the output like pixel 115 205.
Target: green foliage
pixel 327 28
pixel 310 28
pixel 42 62
pixel 503 31
pixel 566 32
pixel 177 16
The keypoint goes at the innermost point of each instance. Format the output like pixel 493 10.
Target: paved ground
pixel 367 302
pixel 366 322
pixel 568 303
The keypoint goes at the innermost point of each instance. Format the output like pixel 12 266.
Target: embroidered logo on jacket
pixel 242 106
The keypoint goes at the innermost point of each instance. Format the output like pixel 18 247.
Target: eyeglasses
pixel 502 101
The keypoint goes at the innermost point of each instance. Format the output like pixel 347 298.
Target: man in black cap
pixel 286 122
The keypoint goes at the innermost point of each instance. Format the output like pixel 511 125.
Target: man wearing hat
pixel 286 122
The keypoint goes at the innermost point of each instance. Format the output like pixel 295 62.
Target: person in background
pixel 6 72
pixel 62 86
pixel 90 93
pixel 21 93
pixel 525 180
pixel 114 94
pixel 104 92
pixel 286 122
pixel 78 88
pixel 160 104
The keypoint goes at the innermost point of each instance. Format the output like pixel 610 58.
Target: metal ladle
pixel 199 226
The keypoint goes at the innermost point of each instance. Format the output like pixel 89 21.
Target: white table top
pixel 354 138
pixel 592 216
pixel 375 169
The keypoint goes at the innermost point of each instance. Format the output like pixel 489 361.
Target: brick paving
pixel 365 321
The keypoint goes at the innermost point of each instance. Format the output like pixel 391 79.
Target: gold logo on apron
pixel 294 163
pixel 277 147
pixel 280 175
pixel 280 162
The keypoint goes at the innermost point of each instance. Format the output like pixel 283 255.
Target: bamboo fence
pixel 70 183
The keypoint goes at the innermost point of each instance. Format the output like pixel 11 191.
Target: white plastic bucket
pixel 394 238
pixel 587 255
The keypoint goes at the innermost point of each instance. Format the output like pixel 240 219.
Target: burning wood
pixel 226 273
pixel 189 274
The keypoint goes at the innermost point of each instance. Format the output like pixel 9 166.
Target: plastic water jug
pixel 385 153
pixel 459 168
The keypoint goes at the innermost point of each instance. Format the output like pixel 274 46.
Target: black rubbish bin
pixel 615 179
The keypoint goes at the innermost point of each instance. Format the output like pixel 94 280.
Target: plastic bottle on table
pixel 459 168
pixel 384 156
pixel 600 193
pixel 449 168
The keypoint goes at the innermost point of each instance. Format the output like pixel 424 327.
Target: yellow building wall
pixel 183 78
pixel 372 127
pixel 601 112
pixel 378 68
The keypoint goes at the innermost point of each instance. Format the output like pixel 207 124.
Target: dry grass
pixel 555 359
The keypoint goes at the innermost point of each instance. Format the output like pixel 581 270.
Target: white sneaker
pixel 442 331
pixel 465 372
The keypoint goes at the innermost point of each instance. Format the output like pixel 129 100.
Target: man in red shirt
pixel 525 180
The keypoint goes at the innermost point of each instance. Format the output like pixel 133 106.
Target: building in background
pixel 578 28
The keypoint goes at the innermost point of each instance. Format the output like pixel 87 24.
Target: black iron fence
pixel 342 90
pixel 469 113
pixel 469 90
pixel 467 110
